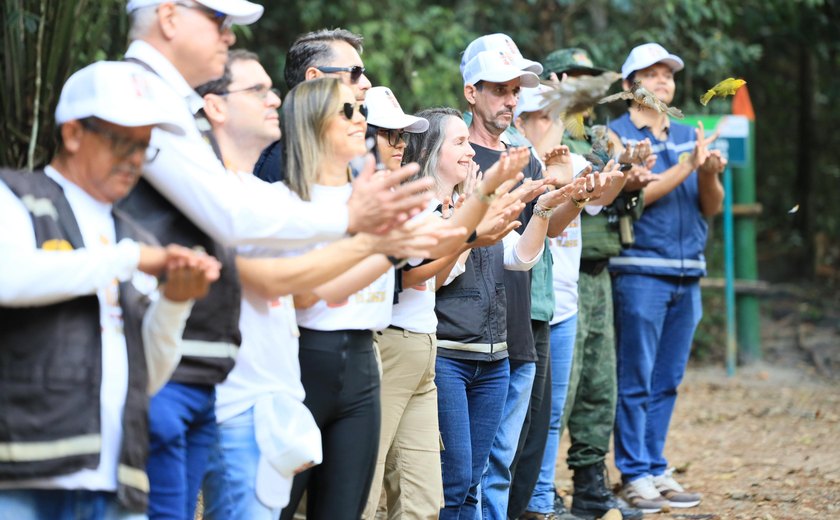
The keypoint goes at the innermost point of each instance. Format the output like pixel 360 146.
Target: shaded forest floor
pixel 764 444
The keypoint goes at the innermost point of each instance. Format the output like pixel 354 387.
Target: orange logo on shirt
pixel 56 244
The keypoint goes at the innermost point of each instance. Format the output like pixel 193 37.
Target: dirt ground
pixel 764 444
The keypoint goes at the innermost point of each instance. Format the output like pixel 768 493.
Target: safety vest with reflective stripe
pixel 51 368
pixel 671 234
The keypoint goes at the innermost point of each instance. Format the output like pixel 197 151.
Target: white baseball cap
pixel 385 111
pixel 645 55
pixel 288 438
pixel 532 99
pixel 499 42
pixel 497 67
pixel 241 12
pixel 118 92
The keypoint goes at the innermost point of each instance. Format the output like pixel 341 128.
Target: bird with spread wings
pixel 569 99
pixel 644 98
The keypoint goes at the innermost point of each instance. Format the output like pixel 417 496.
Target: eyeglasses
pixel 123 147
pixel 261 91
pixel 394 136
pixel 348 108
pixel 355 71
pixel 223 21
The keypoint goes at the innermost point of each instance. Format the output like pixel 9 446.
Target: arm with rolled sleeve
pixel 512 260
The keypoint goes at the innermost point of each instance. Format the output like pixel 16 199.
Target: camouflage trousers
pixel 590 403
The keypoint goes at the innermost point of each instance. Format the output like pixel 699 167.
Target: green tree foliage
pixel 787 50
pixel 43 42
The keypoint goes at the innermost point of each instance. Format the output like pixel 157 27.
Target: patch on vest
pixel 685 156
pixel 56 244
pixel 40 207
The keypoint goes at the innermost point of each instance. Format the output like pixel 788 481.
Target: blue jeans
pixel 62 504
pixel 230 482
pixel 655 321
pixel 495 482
pixel 182 431
pixel 562 348
pixel 471 398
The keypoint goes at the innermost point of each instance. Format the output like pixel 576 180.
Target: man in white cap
pixel 76 366
pixel 656 282
pixel 188 196
pixel 492 83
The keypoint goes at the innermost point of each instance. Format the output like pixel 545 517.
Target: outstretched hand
pixel 701 148
pixel 383 200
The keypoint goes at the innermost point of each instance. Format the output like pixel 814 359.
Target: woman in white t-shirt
pixel 324 129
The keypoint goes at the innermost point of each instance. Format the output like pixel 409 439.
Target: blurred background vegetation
pixel 787 50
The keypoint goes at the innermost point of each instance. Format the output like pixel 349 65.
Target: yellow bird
pixel 727 87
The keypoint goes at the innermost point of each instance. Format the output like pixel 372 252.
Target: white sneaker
pixel 642 494
pixel 676 495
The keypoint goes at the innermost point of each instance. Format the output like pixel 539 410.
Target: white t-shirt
pixel 565 251
pixel 368 309
pixel 415 310
pixel 268 356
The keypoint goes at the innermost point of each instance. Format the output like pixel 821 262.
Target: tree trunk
pixel 804 149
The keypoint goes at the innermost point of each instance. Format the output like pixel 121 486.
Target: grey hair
pixel 424 149
pixel 141 22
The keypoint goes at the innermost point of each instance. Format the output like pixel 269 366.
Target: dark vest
pixel 51 366
pixel 211 336
pixel 473 308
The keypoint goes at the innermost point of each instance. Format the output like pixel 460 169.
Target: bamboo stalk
pixel 36 108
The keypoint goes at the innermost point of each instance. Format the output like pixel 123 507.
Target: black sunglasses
pixel 393 135
pixel 348 108
pixel 355 71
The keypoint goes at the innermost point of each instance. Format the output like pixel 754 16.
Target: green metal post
pixel 746 265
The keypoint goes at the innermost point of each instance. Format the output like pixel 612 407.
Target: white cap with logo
pixel 118 92
pixel 241 12
pixel 499 42
pixel 497 67
pixel 647 54
pixel 385 111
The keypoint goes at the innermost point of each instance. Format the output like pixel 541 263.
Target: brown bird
pixel 644 98
pixel 569 99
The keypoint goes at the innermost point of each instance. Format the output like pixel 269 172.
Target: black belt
pixel 336 340
pixel 593 267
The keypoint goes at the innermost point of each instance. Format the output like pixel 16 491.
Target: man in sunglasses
pixel 188 197
pixel 328 52
pixel 77 368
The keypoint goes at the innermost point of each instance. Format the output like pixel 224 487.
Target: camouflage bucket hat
pixel 565 60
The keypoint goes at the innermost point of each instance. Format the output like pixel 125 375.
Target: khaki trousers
pixel 408 465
